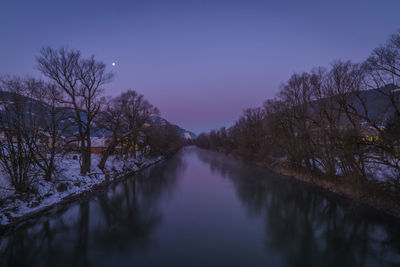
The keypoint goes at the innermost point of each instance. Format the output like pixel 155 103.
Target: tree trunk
pixel 106 153
pixel 83 158
pixel 88 150
pixel 86 154
pixel 47 175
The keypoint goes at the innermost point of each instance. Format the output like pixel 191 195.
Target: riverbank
pixel 17 208
pixel 375 195
pixel 372 196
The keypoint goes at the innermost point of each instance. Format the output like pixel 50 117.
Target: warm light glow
pixel 113 64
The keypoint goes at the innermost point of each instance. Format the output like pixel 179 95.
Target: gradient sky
pixel 201 62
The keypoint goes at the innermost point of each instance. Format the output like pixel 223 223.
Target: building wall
pixel 96 150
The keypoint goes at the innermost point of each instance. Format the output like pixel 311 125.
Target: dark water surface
pixel 201 208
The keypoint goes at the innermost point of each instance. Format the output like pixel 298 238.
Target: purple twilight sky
pixel 201 62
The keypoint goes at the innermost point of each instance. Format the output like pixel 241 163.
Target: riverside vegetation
pixel 338 127
pixel 62 136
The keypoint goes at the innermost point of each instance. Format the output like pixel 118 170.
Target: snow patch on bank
pixel 67 184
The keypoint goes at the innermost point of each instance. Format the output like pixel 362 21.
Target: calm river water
pixel 202 208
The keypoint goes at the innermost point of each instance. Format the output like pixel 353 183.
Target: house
pixel 98 144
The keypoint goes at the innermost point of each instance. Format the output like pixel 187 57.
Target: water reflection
pixel 118 221
pixel 305 226
pixel 202 208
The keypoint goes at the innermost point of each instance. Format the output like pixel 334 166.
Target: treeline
pixel 342 120
pixel 40 120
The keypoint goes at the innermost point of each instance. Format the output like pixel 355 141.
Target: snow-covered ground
pixel 375 171
pixel 67 184
pixel 383 173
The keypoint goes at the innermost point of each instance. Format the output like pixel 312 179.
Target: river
pixel 202 208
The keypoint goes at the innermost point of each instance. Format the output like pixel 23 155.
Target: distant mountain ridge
pixel 96 132
pixel 378 104
pixel 188 135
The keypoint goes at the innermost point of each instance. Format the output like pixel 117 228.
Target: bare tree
pixel 81 80
pixel 250 132
pixel 18 131
pixel 163 139
pixel 32 127
pixel 125 117
pixel 382 70
pixel 53 123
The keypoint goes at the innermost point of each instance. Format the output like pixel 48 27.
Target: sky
pixel 201 62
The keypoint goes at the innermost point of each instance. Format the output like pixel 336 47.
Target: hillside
pixel 35 105
pixel 184 133
pixel 377 103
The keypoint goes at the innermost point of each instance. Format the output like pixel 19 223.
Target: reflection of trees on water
pixel 121 219
pixel 308 228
